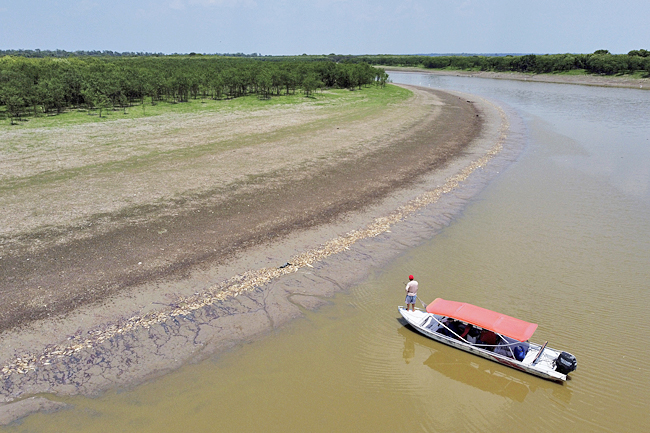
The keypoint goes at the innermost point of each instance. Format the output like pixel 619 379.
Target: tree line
pixel 37 53
pixel 599 62
pixel 31 86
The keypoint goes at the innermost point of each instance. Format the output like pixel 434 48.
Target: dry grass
pixel 61 178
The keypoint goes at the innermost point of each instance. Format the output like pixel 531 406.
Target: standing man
pixel 411 293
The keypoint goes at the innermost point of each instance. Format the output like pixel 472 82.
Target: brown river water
pixel 561 237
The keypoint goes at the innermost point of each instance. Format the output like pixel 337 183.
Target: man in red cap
pixel 411 293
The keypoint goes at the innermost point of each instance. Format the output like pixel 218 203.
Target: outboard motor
pixel 565 363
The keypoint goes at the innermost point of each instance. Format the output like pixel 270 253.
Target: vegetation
pixel 372 98
pixel 34 82
pixel 96 53
pixel 36 86
pixel 600 62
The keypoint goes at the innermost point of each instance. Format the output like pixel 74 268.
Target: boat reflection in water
pixel 409 346
pixel 477 372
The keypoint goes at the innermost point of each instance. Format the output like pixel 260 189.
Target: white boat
pixel 491 335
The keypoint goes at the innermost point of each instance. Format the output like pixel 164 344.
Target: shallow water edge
pixel 249 305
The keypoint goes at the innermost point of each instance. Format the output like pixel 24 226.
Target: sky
pixel 276 27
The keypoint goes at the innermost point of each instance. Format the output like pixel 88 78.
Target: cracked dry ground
pixel 128 358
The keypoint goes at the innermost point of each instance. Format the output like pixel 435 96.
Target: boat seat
pixel 431 325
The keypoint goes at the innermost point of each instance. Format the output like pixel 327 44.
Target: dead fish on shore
pixel 285 265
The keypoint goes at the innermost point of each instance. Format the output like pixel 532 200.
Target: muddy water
pixel 560 238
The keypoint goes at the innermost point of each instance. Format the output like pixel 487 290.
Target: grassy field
pixel 64 171
pixel 371 95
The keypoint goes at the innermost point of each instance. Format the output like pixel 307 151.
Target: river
pixel 560 238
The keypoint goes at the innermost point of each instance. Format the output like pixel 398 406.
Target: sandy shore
pixel 234 264
pixel 585 80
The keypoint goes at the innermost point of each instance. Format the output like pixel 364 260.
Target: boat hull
pixel 542 366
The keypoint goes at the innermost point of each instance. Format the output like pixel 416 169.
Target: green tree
pixel 264 83
pixel 52 94
pixel 13 94
pixel 640 53
pixel 310 82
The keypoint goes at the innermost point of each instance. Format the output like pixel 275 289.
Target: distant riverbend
pixel 582 79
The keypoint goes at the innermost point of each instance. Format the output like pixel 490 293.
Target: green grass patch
pixel 637 75
pixel 340 107
pixel 370 95
pixel 576 72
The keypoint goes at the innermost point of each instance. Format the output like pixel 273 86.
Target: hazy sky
pixel 327 26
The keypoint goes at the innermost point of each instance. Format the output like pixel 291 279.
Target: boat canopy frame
pixel 487 319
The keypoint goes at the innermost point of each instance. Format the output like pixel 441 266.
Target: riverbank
pixel 93 210
pixel 286 243
pixel 585 80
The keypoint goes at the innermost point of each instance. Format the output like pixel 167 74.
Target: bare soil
pixel 98 210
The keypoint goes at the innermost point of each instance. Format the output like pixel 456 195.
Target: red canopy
pixel 486 319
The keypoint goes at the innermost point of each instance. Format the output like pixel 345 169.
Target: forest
pixel 48 85
pixel 600 62
pixel 45 82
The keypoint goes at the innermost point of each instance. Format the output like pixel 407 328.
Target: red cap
pixel 410 277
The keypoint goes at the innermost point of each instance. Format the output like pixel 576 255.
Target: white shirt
pixel 411 288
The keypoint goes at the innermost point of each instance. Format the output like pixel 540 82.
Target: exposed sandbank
pixel 360 212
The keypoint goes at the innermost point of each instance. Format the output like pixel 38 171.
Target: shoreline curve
pixel 582 80
pixel 250 304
